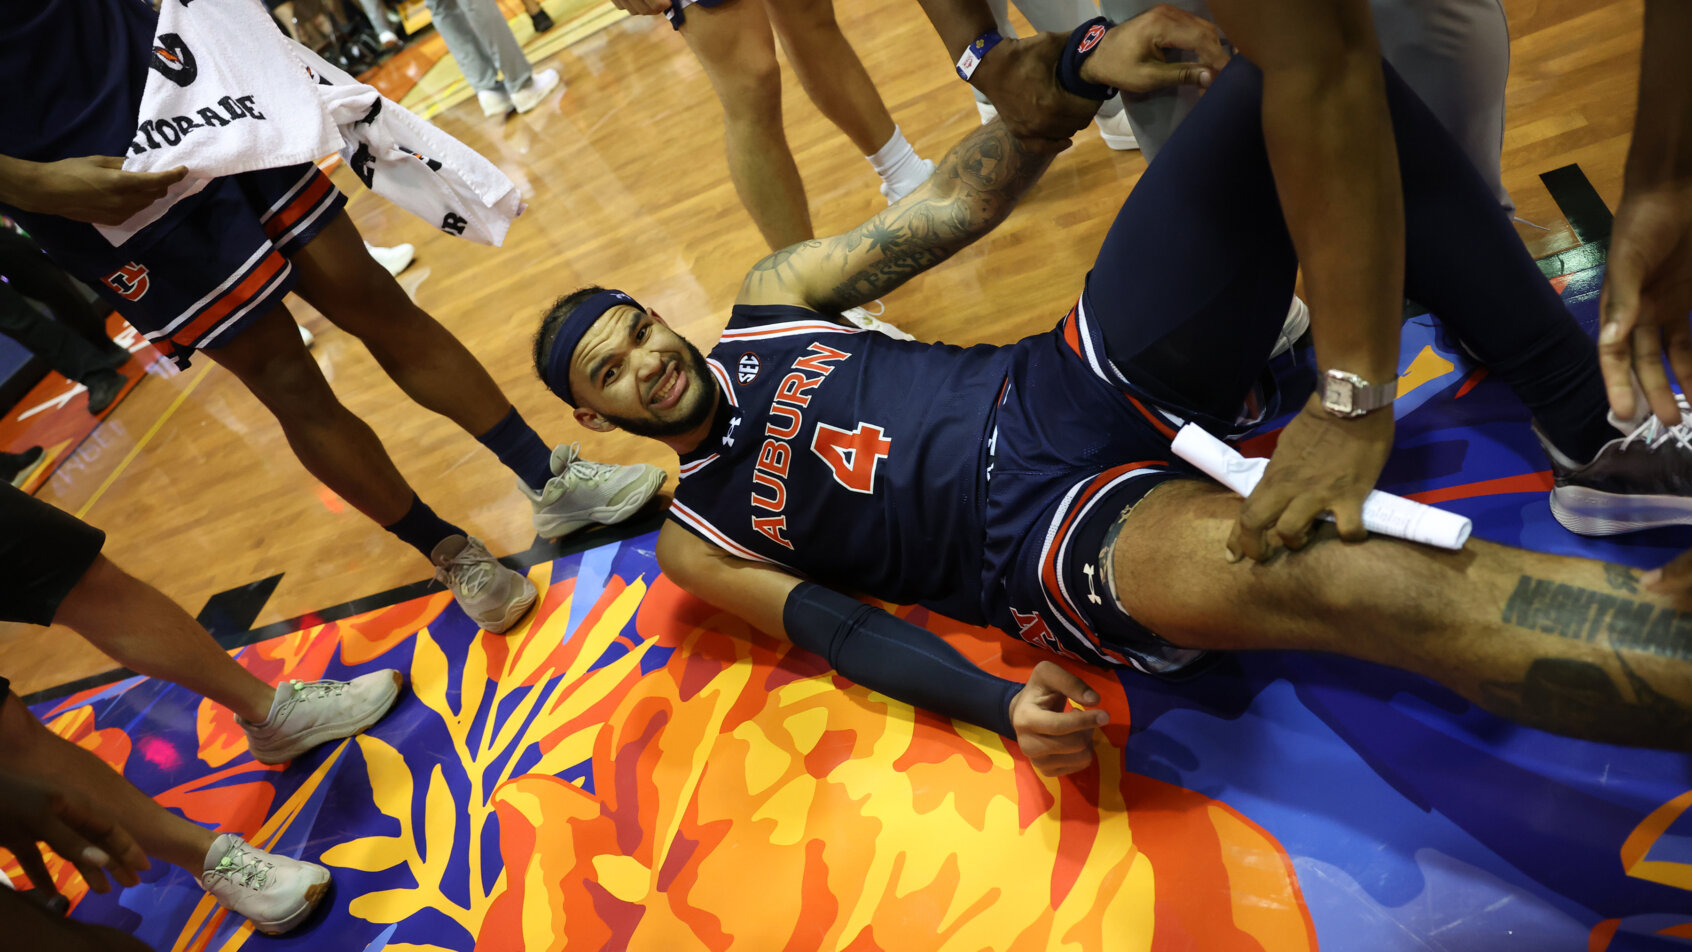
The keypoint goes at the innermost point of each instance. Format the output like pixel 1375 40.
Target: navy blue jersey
pixel 869 480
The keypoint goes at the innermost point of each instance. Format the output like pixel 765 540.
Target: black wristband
pixel 901 660
pixel 1083 40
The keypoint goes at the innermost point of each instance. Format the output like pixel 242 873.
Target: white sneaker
pixel 531 95
pixel 388 40
pixel 306 337
pixel 393 260
pixel 893 195
pixel 308 713
pixel 494 102
pixel 869 321
pixel 582 492
pixel 274 892
pixel 988 111
pixel 1297 322
pixel 1117 133
pixel 494 596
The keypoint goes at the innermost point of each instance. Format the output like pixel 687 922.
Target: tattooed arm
pixel 975 186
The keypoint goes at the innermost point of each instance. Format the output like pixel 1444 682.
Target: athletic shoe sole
pixel 324 733
pixel 313 895
pixel 606 515
pixel 1591 512
pixel 514 613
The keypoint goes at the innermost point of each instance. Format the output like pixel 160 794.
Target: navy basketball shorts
pixel 44 552
pixel 1069 453
pixel 194 279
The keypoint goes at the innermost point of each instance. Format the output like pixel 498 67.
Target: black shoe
pixel 541 21
pixel 1640 480
pixel 111 358
pixel 103 387
pixel 16 468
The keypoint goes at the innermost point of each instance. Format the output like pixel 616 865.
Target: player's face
pixel 638 375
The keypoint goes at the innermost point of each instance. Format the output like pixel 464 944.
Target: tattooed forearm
pixel 972 189
pixel 1583 614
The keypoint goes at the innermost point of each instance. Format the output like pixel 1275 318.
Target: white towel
pixel 229 93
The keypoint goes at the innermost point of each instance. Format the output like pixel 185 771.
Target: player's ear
pixel 593 420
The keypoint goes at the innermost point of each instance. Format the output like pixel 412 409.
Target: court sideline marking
pixel 141 443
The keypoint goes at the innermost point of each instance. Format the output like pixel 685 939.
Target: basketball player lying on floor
pixel 1032 487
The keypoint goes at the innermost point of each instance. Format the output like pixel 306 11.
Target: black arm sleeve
pixel 897 658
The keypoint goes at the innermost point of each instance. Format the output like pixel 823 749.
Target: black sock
pixel 421 529
pixel 520 449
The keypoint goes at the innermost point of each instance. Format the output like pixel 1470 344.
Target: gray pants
pixel 1455 54
pixel 481 41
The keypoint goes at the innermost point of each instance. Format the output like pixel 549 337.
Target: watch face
pixel 1338 396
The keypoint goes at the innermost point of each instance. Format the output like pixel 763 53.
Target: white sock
pixel 898 165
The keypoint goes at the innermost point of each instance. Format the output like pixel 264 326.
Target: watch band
pixel 1348 395
pixel 975 52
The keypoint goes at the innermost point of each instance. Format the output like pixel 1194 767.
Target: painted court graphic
pixel 632 769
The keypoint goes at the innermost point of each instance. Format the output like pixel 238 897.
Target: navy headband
pixel 557 376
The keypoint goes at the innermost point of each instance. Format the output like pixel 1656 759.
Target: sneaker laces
pixel 310 690
pixel 466 573
pixel 1654 432
pixel 245 868
pixel 584 469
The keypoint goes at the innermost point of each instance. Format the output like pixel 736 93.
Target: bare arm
pixel 973 189
pixel 92 188
pixel 886 654
pixel 1330 144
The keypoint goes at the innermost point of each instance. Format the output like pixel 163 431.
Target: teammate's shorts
pixel 44 552
pixel 677 17
pixel 197 278
pixel 1069 452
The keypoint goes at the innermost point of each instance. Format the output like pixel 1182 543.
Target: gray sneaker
pixel 494 596
pixel 274 892
pixel 581 492
pixel 308 713
pixel 1641 480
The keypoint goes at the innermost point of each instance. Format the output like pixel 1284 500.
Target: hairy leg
pixel 140 628
pixel 28 748
pixel 334 445
pixel 1568 645
pixel 734 44
pixel 830 71
pixel 339 278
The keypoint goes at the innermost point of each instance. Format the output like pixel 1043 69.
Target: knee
pixel 804 24
pixel 290 384
pixel 751 90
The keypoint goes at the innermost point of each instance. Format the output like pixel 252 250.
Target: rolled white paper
pixel 1382 512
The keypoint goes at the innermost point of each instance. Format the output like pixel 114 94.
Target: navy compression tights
pixel 1194 278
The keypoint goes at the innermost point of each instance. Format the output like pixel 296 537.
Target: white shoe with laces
pixel 870 321
pixel 495 597
pixel 1640 480
pixel 582 492
pixel 531 95
pixel 307 713
pixel 275 893
pixel 1117 133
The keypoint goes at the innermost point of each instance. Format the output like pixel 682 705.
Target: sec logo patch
pixel 747 369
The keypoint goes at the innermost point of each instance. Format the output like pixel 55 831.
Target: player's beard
pixel 700 383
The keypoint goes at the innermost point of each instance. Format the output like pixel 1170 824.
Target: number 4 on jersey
pixel 852 454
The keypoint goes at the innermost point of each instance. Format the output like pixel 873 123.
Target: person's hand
pixel 642 8
pixel 93 188
pixel 1130 57
pixel 1323 463
pixel 78 832
pixel 1056 740
pixel 1020 77
pixel 1647 294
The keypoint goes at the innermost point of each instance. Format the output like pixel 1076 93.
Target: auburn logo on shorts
pixel 1094 33
pixel 129 281
pixel 173 60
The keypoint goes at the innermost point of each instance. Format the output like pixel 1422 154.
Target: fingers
pixel 1178 29
pixel 1348 516
pixel 1620 308
pixel 1653 379
pixel 1261 510
pixel 1053 677
pixel 29 857
pixel 1060 724
pixel 98 838
pixel 1673 578
pixel 1060 765
pixel 1293 528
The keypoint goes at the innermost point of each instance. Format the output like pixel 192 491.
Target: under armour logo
pixel 728 437
pixel 453 223
pixel 1092 593
pixel 364 164
pixel 173 60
